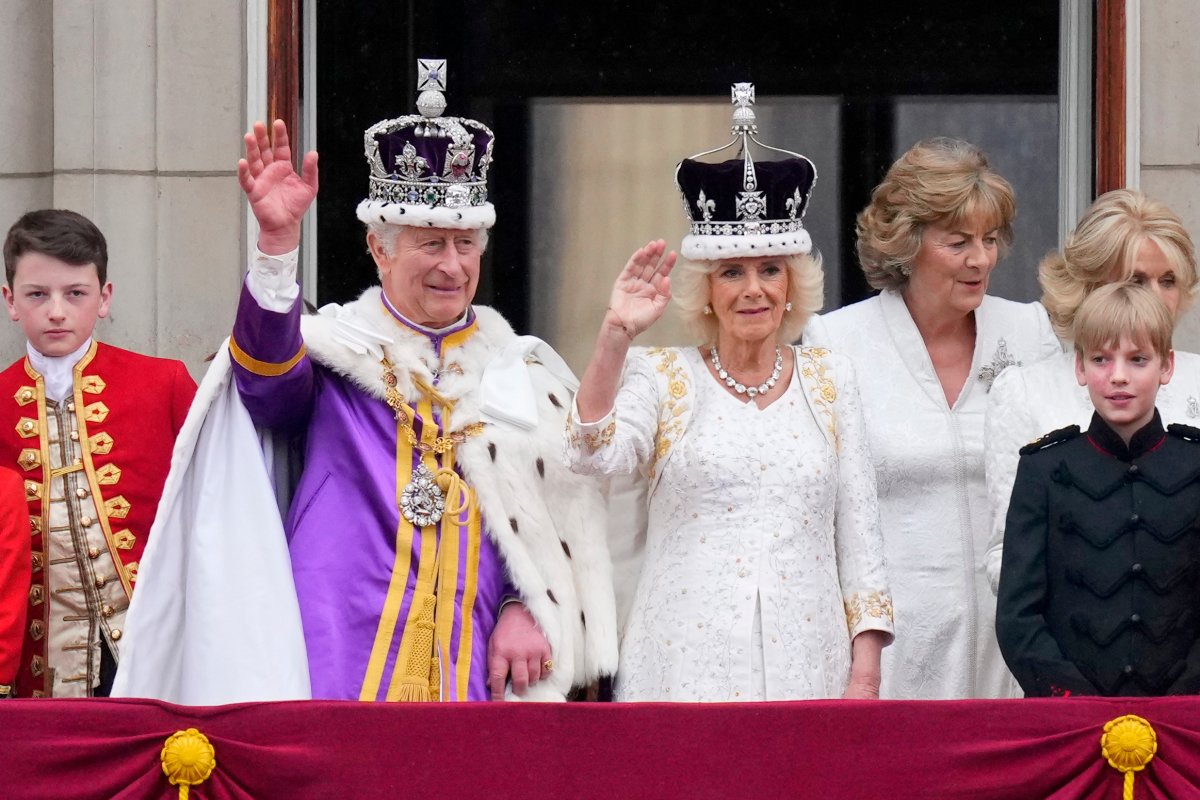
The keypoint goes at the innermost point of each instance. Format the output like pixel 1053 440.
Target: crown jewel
pixel 741 207
pixel 427 168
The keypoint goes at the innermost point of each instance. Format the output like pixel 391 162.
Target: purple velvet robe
pixel 356 562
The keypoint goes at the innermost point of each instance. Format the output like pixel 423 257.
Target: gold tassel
pixel 412 690
pixel 414 686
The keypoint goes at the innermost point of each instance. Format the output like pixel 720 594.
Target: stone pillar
pixel 1170 121
pixel 131 112
pixel 26 112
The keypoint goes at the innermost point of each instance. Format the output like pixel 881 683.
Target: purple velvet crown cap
pixel 427 169
pixel 744 208
pixel 729 221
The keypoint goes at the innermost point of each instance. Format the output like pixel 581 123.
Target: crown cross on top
pixel 431 74
pixel 742 96
pixel 431 82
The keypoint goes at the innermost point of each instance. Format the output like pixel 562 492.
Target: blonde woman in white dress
pixel 762 576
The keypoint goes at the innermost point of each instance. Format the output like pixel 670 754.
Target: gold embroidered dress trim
pixel 673 406
pixel 592 441
pixel 811 362
pixel 673 383
pixel 872 605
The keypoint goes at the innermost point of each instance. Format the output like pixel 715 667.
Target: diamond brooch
pixel 422 502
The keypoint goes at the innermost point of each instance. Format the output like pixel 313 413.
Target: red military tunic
pixel 14 574
pixel 94 471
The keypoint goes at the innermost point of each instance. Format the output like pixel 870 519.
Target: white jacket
pixel 928 459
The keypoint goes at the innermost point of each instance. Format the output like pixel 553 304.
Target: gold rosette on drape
pixel 188 758
pixel 1128 744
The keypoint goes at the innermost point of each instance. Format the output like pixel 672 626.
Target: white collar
pixel 58 372
pixel 350 341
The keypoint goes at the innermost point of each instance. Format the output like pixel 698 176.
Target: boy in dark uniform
pixel 1098 587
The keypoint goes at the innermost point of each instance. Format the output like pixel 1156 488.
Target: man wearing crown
pixel 439 549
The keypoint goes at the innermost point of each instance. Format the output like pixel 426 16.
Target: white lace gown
pixel 1030 401
pixel 763 556
pixel 928 456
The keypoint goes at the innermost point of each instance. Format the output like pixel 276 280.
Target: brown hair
pixel 938 181
pixel 59 233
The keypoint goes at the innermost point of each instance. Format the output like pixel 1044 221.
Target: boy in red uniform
pixel 14 577
pixel 90 429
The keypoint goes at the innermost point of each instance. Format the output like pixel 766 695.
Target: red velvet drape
pixel 982 750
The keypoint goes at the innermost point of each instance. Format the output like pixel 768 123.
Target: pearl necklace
pixel 741 388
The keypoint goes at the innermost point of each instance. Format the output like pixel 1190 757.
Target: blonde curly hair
pixel 1103 249
pixel 939 181
pixel 692 291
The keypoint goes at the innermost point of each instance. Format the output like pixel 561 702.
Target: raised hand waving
pixel 643 289
pixel 278 195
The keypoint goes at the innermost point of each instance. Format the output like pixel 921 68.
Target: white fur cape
pixel 215 595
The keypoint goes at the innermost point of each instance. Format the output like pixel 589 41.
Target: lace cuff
pixel 272 280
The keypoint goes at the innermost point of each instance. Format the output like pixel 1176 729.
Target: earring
pixel 787 306
pixel 905 270
pixel 708 309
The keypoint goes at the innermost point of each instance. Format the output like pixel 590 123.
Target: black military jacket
pixel 1099 581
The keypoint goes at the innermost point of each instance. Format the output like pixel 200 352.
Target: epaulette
pixel 1185 432
pixel 1052 438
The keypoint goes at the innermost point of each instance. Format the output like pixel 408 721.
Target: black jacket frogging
pixel 1098 587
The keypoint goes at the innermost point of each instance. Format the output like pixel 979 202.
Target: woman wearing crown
pixel 762 577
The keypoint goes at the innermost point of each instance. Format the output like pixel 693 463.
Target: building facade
pixel 132 112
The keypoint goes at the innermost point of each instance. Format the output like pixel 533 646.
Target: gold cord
pixel 441 444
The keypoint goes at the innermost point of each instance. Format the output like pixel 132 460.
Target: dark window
pixel 875 76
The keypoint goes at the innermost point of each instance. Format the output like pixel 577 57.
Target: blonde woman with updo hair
pixel 926 350
pixel 1123 236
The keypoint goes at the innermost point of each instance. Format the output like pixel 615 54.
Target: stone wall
pixel 131 112
pixel 1170 120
